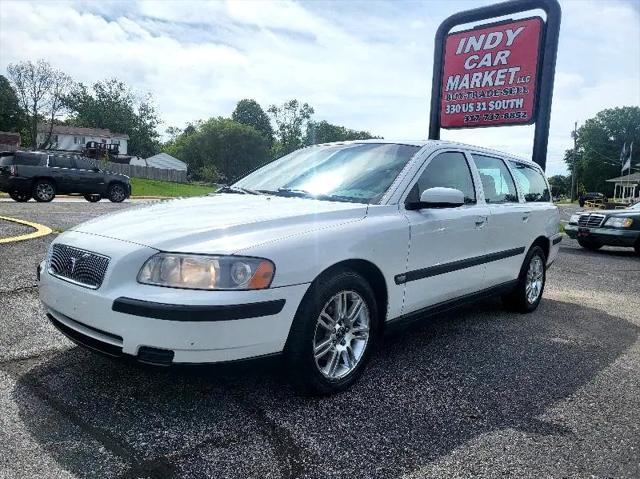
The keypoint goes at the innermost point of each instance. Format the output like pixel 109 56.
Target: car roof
pixel 434 144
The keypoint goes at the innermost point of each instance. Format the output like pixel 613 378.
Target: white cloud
pixel 366 65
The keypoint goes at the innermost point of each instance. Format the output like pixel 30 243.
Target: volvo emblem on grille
pixel 75 260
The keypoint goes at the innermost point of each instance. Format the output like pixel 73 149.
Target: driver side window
pixel 447 170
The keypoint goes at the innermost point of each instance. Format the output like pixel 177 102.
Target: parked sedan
pixel 611 227
pixel 311 256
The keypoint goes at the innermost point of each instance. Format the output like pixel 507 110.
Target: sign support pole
pixel 548 66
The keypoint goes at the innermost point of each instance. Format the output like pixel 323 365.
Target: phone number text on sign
pixel 490 75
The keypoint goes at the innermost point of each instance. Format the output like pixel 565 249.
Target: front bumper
pixel 192 326
pixel 605 236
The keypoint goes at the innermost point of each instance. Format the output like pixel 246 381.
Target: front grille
pixel 78 266
pixel 591 220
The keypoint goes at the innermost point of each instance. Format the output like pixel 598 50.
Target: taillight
pixel 13 170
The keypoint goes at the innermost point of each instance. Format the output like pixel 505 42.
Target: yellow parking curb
pixel 40 230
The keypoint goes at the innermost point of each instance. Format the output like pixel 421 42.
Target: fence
pixel 148 172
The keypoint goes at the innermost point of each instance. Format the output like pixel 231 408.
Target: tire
pixel 92 198
pixel 20 196
pixel 43 191
pixel 319 349
pixel 590 245
pixel 117 193
pixel 523 299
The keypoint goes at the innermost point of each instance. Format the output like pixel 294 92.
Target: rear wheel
pixel 20 196
pixel 333 334
pixel 526 296
pixel 44 191
pixel 590 245
pixel 92 198
pixel 117 193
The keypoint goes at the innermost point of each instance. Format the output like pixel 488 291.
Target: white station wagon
pixel 312 255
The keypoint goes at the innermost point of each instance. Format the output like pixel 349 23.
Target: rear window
pixel 533 185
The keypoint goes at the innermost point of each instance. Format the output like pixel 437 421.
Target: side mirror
pixel 438 198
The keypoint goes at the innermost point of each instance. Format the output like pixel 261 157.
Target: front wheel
pixel 590 245
pixel 20 196
pixel 333 334
pixel 117 193
pixel 92 198
pixel 44 191
pixel 527 294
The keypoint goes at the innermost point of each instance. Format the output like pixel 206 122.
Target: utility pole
pixel 573 161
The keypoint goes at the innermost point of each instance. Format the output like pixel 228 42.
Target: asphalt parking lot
pixel 479 392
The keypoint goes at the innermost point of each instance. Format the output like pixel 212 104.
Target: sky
pixel 364 65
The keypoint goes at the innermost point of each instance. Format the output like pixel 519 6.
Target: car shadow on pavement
pixel 429 389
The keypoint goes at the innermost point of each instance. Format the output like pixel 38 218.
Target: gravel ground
pixel 479 392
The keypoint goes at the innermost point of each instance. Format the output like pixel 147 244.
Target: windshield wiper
pixel 237 189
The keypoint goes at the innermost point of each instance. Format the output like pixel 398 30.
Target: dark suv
pixel 42 175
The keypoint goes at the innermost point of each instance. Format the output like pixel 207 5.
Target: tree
pixel 599 142
pixel 324 132
pixel 40 89
pixel 113 105
pixel 249 112
pixel 560 185
pixel 291 119
pixel 11 114
pixel 221 149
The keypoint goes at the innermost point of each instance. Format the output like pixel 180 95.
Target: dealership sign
pixel 490 75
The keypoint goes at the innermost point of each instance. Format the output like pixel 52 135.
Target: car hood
pixel 627 211
pixel 222 223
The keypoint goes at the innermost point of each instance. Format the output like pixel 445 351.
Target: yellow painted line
pixel 40 230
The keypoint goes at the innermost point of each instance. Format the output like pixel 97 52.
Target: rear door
pixel 508 226
pixel 445 243
pixel 88 181
pixel 63 172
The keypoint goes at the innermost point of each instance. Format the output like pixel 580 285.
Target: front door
pixel 446 244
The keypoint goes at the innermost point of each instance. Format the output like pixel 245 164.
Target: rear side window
pixel 61 162
pixel 448 170
pixel 497 182
pixel 532 183
pixel 6 160
pixel 29 159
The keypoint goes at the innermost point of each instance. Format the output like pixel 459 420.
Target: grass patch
pixel 144 187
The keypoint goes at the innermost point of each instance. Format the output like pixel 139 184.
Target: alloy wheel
pixel 44 191
pixel 341 334
pixel 117 194
pixel 535 279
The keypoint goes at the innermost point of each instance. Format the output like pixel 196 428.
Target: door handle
pixel 481 220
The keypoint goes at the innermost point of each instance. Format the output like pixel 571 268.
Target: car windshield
pixel 358 172
pixel 636 206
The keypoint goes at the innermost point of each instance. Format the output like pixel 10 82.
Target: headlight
pixel 619 222
pixel 207 272
pixel 574 219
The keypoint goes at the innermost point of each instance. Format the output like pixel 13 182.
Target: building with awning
pixel 626 188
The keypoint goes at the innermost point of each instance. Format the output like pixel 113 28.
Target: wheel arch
pixel 372 274
pixel 544 243
pixel 43 177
